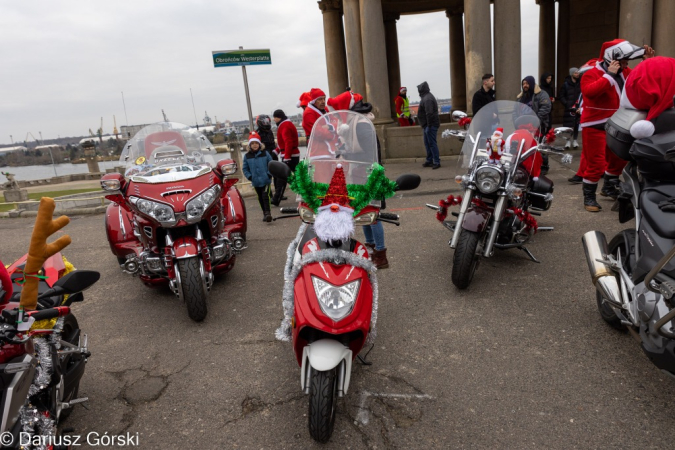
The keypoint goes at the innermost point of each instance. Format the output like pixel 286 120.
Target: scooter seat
pixel 661 221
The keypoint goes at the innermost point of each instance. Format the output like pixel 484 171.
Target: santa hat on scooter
pixel 344 101
pixel 650 87
pixel 334 220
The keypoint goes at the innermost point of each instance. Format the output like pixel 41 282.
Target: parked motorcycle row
pixel 178 220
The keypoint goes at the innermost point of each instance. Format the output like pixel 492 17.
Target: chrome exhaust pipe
pixel 603 278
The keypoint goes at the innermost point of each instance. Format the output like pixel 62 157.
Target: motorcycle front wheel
pixel 465 260
pixel 322 404
pixel 192 285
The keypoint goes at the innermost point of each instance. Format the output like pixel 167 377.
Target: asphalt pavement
pixel 521 359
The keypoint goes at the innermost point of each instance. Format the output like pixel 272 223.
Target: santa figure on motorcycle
pixel 334 220
pixel 496 145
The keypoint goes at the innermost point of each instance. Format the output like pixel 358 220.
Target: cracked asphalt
pixel 521 359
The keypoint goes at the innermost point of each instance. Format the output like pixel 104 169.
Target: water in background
pixel 42 172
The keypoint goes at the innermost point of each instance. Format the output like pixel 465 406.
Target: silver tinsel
pixel 335 256
pixel 35 423
pixel 44 370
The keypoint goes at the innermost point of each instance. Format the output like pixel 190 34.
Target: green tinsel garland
pixel 378 187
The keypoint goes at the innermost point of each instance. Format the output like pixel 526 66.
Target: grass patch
pixel 38 195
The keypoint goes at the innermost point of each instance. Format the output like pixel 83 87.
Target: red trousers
pixel 404 121
pixel 597 157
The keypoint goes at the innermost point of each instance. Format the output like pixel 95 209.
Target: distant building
pixel 16 148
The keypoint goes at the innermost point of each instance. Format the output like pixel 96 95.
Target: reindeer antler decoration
pixel 40 250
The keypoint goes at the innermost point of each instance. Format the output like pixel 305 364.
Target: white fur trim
pixel 613 82
pixel 297 105
pixel 642 129
pixel 254 140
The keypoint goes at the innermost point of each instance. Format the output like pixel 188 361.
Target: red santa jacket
pixel 309 117
pixel 601 94
pixel 287 140
pixel 533 162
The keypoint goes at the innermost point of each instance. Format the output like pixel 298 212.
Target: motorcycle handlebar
pixel 388 216
pixel 49 313
pixel 288 210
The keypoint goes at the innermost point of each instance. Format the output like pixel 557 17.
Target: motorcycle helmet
pixel 263 122
pixel 623 50
pixel 362 107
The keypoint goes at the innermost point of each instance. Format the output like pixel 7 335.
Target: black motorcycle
pixel 500 163
pixel 634 274
pixel 41 369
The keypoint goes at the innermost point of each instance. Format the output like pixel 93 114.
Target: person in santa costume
pixel 303 101
pixel 650 87
pixel 287 150
pixel 532 164
pixel 601 88
pixel 344 101
pixel 255 169
pixel 402 104
pixel 315 109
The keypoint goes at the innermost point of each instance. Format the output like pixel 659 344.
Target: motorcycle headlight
pixel 158 211
pixel 488 179
pixel 306 214
pixel 196 207
pixel 365 219
pixel 336 301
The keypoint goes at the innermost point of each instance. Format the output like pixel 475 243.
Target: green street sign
pixel 228 58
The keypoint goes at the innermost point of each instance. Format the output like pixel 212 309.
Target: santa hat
pixel 650 87
pixel 337 193
pixel 254 137
pixel 315 93
pixel 304 100
pixel 403 88
pixel 343 101
pixel 499 132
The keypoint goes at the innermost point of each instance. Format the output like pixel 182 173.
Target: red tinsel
pixel 525 217
pixel 550 136
pixel 465 122
pixel 443 206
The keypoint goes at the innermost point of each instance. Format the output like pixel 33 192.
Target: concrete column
pixel 375 59
pixel 457 65
pixel 546 38
pixel 663 34
pixel 635 21
pixel 507 49
pixel 393 62
pixel 478 43
pixel 357 78
pixel 564 23
pixel 336 57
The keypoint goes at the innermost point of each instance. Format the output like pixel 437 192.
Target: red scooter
pixel 330 292
pixel 176 217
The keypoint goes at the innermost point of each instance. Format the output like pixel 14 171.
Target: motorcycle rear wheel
pixel 465 260
pixel 322 404
pixel 192 285
pixel 606 311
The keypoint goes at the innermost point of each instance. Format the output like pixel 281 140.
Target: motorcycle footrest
pixel 450 224
pixel 70 404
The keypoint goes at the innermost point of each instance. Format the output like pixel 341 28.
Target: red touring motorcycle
pixel 176 215
pixel 330 292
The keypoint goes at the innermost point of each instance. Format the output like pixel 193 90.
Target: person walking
pixel 427 114
pixel 264 129
pixel 316 107
pixel 255 170
pixel 287 150
pixel 570 97
pixel 539 101
pixel 601 87
pixel 402 103
pixel 486 94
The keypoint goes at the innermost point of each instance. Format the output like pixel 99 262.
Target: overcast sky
pixel 65 64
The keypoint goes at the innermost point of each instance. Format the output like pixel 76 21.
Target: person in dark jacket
pixel 540 103
pixel 570 97
pixel 486 94
pixel 546 84
pixel 255 170
pixel 427 114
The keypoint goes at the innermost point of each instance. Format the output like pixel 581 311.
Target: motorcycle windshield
pixel 518 123
pixel 167 152
pixel 342 137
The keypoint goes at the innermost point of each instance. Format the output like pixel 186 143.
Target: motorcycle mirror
pixel 565 132
pixel 77 281
pixel 458 115
pixel 279 170
pixel 670 155
pixel 408 182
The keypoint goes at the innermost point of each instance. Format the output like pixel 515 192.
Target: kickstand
pixel 362 359
pixel 529 253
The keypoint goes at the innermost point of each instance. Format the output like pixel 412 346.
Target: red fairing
pixel 308 313
pixel 53 268
pixel 185 247
pixel 234 210
pixel 120 230
pixel 6 283
pixel 174 194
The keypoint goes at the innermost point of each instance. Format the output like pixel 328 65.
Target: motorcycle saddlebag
pixel 542 186
pixel 649 154
pixel 619 139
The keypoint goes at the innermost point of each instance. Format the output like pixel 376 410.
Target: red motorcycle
pixel 176 217
pixel 330 292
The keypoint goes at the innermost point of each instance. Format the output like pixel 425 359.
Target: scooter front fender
pixel 323 355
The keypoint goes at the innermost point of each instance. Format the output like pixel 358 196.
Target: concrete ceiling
pixel 419 6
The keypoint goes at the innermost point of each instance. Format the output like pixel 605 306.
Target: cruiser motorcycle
pixel 502 184
pixel 41 369
pixel 330 292
pixel 634 275
pixel 176 216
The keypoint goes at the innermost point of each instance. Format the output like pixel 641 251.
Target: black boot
pixel 544 164
pixel 589 197
pixel 610 188
pixel 576 179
